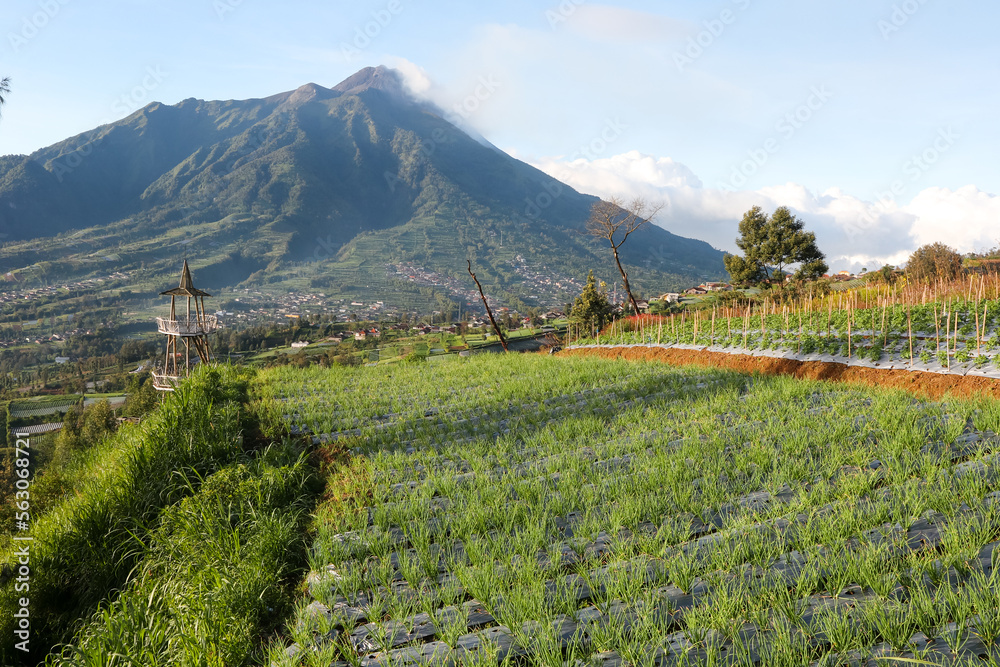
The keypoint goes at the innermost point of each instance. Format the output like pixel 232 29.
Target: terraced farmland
pixel 579 511
pixel 958 337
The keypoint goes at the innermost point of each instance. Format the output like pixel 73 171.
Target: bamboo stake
pixel 799 350
pixel 978 346
pixel 985 307
pixel 746 325
pixel 937 331
pixel 909 331
pixel 885 332
pixel 948 326
pixel 956 332
pixel 947 339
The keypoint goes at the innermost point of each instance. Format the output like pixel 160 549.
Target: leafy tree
pixel 932 261
pixel 72 421
pixel 887 274
pixel 614 220
pixel 98 422
pixel 592 307
pixel 141 396
pixel 4 89
pixel 771 245
pixel 664 308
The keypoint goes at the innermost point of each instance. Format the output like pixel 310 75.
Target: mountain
pixel 355 190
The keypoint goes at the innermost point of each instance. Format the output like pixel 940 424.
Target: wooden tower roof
pixel 186 287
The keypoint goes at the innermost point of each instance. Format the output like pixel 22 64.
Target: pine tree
pixel 770 245
pixel 592 307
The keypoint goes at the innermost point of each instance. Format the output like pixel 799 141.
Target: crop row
pixel 581 529
pixel 585 438
pixel 348 578
pixel 781 533
pixel 605 482
pixel 960 334
pixel 450 426
pixel 429 392
pixel 823 572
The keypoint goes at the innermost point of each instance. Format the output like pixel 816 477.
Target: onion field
pixel 555 511
pixel 959 336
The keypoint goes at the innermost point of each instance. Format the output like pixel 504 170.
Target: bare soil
pixel 929 385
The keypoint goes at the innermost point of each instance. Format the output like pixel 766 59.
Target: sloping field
pixel 178 545
pixel 580 511
pixel 919 383
pixel 958 336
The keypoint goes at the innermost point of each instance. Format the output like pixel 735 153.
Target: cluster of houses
pixel 425 329
pixel 32 293
pixel 55 338
pixel 542 285
pixel 699 290
pixel 840 276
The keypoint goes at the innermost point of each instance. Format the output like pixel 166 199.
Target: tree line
pixel 777 255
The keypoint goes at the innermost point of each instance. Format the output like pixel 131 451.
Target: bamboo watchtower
pixel 190 327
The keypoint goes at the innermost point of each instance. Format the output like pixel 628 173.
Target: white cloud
pixel 852 232
pixel 604 23
pixel 967 218
pixel 415 78
pixel 621 174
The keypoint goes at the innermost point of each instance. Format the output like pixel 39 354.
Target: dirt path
pixel 931 385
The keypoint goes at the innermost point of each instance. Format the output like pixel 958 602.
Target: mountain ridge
pixel 328 184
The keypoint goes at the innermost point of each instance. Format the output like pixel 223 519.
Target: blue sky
pixel 876 121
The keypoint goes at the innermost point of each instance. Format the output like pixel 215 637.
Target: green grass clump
pixel 217 572
pixel 87 546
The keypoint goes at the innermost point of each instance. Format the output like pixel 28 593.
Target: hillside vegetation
pixel 317 188
pixel 177 527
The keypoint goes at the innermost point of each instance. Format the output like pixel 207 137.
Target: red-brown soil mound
pixel 930 385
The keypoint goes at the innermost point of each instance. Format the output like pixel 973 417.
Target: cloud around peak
pixel 853 233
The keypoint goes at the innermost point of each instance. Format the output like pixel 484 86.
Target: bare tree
pixel 496 327
pixel 614 220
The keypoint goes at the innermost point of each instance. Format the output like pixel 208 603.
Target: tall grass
pixel 216 575
pixel 85 549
